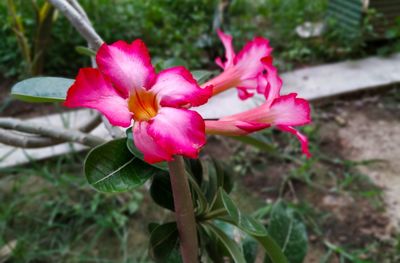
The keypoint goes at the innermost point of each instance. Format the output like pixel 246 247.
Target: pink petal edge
pixel 92 90
pixel 128 66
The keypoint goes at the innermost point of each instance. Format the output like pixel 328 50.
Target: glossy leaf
pixel 85 51
pixel 135 151
pixel 250 249
pixel 215 175
pixel 173 62
pixel 244 222
pixel 163 241
pixel 201 76
pixel 288 232
pixel 42 89
pixel 111 167
pixel 231 246
pixel 257 140
pixel 161 191
pixel 274 252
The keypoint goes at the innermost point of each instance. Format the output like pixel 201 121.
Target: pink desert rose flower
pixel 243 70
pixel 282 112
pixel 126 88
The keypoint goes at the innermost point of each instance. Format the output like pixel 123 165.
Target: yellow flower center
pixel 143 104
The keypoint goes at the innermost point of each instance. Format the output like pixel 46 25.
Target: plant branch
pixel 184 212
pixel 37 141
pixel 79 21
pixel 52 132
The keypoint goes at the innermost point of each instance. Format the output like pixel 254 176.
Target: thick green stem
pixel 184 211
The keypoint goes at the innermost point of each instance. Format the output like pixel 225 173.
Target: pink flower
pixel 244 70
pixel 282 112
pixel 125 87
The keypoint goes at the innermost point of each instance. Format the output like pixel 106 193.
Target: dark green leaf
pixel 161 191
pixel 257 140
pixel 201 76
pixel 230 245
pixel 274 252
pixel 152 226
pixel 42 89
pixel 163 241
pixel 135 151
pixel 85 51
pixel 244 222
pixel 111 167
pixel 289 232
pixel 173 62
pixel 250 249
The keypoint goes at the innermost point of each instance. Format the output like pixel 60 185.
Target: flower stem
pixel 184 211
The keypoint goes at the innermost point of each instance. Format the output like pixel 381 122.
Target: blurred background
pixel 346 195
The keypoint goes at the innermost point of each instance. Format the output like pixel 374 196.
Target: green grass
pixel 54 216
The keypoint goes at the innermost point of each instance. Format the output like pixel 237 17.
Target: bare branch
pixel 79 22
pixel 75 4
pixel 53 132
pixel 24 141
pixel 34 141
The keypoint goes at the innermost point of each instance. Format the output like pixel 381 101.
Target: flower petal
pixel 243 93
pixel 178 131
pixel 153 152
pixel 303 139
pixel 127 65
pixel 92 90
pixel 289 110
pixel 176 87
pixel 248 61
pixel 229 52
pixel 272 86
pixel 233 127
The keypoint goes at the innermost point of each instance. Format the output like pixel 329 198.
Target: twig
pixel 34 141
pixel 78 21
pixel 80 10
pixel 53 132
pixel 24 141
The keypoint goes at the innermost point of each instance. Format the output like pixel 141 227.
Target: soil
pixel 367 131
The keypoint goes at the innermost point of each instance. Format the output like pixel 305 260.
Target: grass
pixel 54 216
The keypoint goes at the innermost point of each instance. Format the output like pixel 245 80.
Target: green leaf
pixel 85 51
pixel 201 76
pixel 130 143
pixel 273 250
pixel 42 89
pixel 230 245
pixel 289 232
pixel 244 222
pixel 250 249
pixel 173 62
pixel 163 241
pixel 110 167
pixel 257 140
pixel 161 191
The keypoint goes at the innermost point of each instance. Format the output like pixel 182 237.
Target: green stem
pixel 184 211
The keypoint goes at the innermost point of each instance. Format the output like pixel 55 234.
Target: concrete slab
pixel 344 77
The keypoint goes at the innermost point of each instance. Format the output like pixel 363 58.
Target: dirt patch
pixel 373 133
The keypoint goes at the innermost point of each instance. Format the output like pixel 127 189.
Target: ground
pixel 345 193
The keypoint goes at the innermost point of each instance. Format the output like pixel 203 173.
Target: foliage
pixel 187 26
